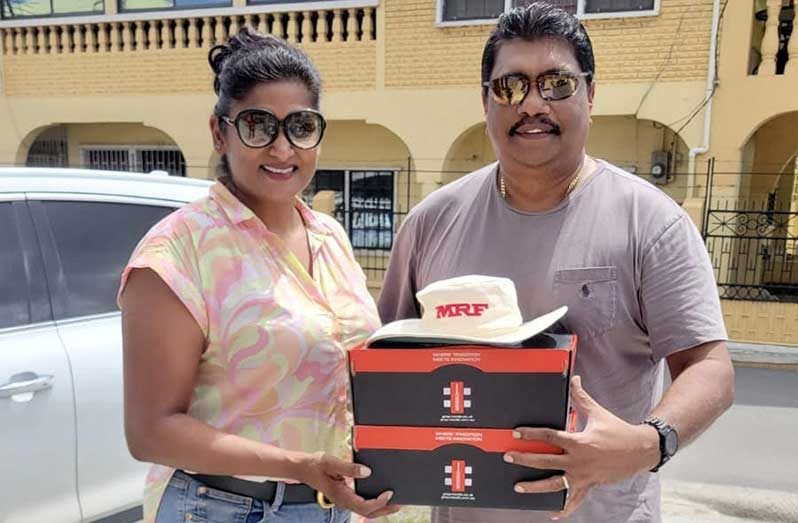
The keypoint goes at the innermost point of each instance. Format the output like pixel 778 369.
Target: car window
pixel 94 241
pixel 15 301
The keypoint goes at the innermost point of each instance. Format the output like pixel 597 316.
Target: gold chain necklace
pixel 569 190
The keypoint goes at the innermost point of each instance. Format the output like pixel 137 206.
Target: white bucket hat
pixel 471 309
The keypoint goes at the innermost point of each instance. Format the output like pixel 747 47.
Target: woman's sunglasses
pixel 512 89
pixel 259 128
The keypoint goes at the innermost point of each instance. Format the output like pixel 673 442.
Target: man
pixel 570 230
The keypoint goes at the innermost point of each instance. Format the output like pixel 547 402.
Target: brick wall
pixel 627 49
pixel 165 72
pixel 149 72
pixel 761 322
pixel 346 66
pixel 673 45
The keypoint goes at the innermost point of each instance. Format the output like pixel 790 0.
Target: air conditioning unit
pixel 660 167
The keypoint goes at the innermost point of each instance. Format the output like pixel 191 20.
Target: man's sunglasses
pixel 512 89
pixel 259 128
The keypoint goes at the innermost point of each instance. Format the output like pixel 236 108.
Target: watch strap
pixel 662 429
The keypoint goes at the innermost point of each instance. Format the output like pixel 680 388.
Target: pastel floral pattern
pixel 274 369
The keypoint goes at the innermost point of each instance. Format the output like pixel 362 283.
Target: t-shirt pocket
pixel 591 296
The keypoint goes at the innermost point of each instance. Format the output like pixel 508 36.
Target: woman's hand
pixel 330 476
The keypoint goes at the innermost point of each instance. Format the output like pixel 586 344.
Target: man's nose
pixel 534 103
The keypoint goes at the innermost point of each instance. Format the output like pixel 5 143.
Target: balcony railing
pixel 176 30
pixel 774 42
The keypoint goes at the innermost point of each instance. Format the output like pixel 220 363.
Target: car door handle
pixel 26 382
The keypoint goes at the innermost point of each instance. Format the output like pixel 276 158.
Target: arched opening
pixel 49 149
pixel 128 147
pixel 470 151
pixel 647 148
pixel 752 223
pixel 771 152
pixel 366 180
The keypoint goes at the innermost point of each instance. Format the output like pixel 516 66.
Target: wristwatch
pixel 668 440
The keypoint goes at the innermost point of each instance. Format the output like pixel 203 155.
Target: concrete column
pixel 9 141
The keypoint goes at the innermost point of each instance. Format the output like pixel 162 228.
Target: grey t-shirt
pixel 626 260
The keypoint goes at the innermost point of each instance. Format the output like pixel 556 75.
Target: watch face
pixel 671 442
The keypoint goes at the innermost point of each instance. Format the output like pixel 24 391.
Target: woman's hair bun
pixel 246 39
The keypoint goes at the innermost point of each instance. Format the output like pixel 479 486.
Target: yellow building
pixel 125 84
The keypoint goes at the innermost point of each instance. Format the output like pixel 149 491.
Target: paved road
pixel 745 467
pixel 755 444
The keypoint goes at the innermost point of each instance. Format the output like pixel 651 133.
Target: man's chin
pixel 531 161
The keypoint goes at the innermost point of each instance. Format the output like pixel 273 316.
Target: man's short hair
pixel 535 21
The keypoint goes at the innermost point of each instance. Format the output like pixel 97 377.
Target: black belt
pixel 264 491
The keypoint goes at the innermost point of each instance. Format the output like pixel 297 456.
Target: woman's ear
pixel 217 135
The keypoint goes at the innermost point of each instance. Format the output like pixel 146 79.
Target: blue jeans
pixel 184 502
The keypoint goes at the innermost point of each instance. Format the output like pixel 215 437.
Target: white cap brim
pixel 416 331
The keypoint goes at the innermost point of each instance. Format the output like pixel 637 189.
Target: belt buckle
pixel 322 501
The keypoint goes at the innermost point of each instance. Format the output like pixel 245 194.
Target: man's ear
pixel 591 93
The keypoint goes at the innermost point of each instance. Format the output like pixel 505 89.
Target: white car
pixel 65 236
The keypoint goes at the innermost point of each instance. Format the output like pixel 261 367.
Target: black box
pixel 450 467
pixel 463 386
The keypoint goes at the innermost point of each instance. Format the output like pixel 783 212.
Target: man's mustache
pixel 555 129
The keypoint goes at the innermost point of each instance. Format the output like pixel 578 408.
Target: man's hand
pixel 608 450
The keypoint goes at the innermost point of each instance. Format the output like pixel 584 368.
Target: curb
pixel 763 355
pixel 687 501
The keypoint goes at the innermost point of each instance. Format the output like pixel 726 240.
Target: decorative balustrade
pixel 151 32
pixel 779 46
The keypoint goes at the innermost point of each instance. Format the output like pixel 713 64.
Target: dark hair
pixel 539 20
pixel 250 58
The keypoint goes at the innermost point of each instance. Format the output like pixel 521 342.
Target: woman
pixel 237 311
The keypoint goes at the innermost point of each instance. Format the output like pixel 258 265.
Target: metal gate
pixel 753 247
pixel 49 149
pixel 136 159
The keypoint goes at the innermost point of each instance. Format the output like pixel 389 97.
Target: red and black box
pixel 463 386
pixel 433 423
pixel 449 466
